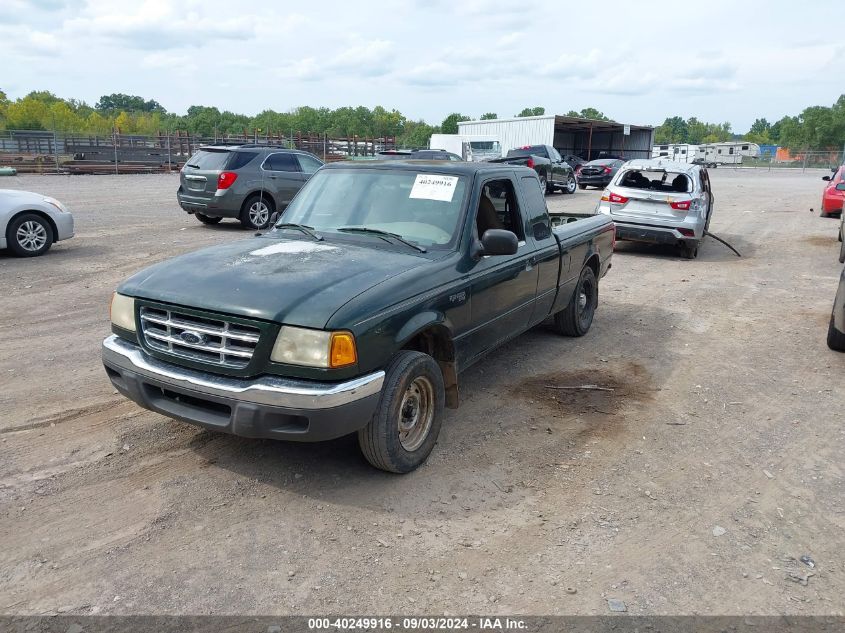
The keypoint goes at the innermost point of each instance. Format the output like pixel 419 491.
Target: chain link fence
pixel 45 152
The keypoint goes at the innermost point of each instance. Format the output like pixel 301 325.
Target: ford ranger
pixel 358 310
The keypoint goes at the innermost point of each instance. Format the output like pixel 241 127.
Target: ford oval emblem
pixel 193 338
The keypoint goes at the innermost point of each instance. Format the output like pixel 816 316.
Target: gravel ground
pixel 692 488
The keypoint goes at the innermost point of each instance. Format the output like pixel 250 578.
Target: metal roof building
pixel 588 138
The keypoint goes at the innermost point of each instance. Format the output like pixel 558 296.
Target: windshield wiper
pixel 192 165
pixel 308 230
pixel 382 234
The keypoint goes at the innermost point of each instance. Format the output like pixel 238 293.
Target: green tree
pixel 450 123
pixel 589 113
pixel 27 114
pixel 672 130
pixel 536 111
pixel 97 124
pixel 129 103
pixel 416 134
pixel 488 116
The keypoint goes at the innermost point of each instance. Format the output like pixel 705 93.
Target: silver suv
pixel 247 182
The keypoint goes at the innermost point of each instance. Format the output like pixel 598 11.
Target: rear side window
pixel 240 159
pixel 281 162
pixel 308 164
pixel 537 211
pixel 209 159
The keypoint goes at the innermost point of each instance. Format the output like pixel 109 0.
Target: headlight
pixel 123 312
pixel 55 203
pixel 314 348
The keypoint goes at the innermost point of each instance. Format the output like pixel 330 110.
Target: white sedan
pixel 31 222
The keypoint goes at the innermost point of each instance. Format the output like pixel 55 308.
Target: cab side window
pixel 497 209
pixel 281 162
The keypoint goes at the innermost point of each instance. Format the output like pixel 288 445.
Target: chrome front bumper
pixel 268 406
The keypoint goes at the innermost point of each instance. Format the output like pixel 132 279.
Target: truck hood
pixel 290 281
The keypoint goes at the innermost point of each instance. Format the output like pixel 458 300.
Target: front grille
pixel 203 339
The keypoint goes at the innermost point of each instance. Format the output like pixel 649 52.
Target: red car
pixel 832 198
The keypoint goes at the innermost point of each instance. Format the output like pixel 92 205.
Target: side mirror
pixel 826 178
pixel 840 186
pixel 499 242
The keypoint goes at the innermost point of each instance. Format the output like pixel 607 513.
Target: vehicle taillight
pixel 615 198
pixel 681 206
pixel 530 163
pixel 226 179
pixel 687 232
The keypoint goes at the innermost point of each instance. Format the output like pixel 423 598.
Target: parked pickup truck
pixel 379 284
pixel 552 170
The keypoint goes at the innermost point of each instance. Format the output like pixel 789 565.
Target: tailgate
pixel 639 204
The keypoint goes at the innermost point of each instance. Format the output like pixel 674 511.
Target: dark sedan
pixel 599 173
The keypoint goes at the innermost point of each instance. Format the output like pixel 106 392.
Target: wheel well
pixel 594 263
pixel 266 194
pixel 437 342
pixel 40 214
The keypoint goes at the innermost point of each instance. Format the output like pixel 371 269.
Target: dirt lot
pixel 693 487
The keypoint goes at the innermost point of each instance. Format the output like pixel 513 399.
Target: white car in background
pixel 660 202
pixel 31 222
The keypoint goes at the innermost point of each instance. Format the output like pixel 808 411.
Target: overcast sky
pixel 638 62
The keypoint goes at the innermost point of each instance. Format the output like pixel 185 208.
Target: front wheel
pixel 256 212
pixel 29 235
pixel 582 186
pixel 571 185
pixel 207 219
pixel 577 317
pixel 405 426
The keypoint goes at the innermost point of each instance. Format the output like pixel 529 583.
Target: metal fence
pixel 51 152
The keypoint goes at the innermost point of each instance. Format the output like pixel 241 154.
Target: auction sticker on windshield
pixel 434 187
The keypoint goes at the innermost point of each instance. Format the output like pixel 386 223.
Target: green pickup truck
pixel 379 284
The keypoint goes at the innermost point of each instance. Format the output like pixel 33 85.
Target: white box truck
pixel 473 148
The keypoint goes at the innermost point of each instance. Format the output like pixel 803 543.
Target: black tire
pixel 544 184
pixel 577 317
pixel 582 186
pixel 381 441
pixel 571 185
pixel 207 219
pixel 689 250
pixel 841 251
pixel 835 338
pixel 707 223
pixel 29 235
pixel 256 212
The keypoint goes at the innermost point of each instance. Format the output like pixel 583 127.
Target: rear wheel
pixel 544 185
pixel 571 185
pixel 405 426
pixel 689 250
pixel 256 212
pixel 582 186
pixel 835 338
pixel 207 219
pixel 577 317
pixel 841 249
pixel 29 235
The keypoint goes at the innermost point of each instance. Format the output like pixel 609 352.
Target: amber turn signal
pixel 342 351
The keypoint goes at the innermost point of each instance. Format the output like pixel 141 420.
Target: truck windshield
pixel 422 207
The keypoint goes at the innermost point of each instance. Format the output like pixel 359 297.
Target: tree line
pixel 815 128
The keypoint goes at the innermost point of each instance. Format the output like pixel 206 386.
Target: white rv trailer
pixel 728 152
pixel 470 147
pixel 676 152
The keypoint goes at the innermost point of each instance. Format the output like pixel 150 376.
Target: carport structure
pixel 587 138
